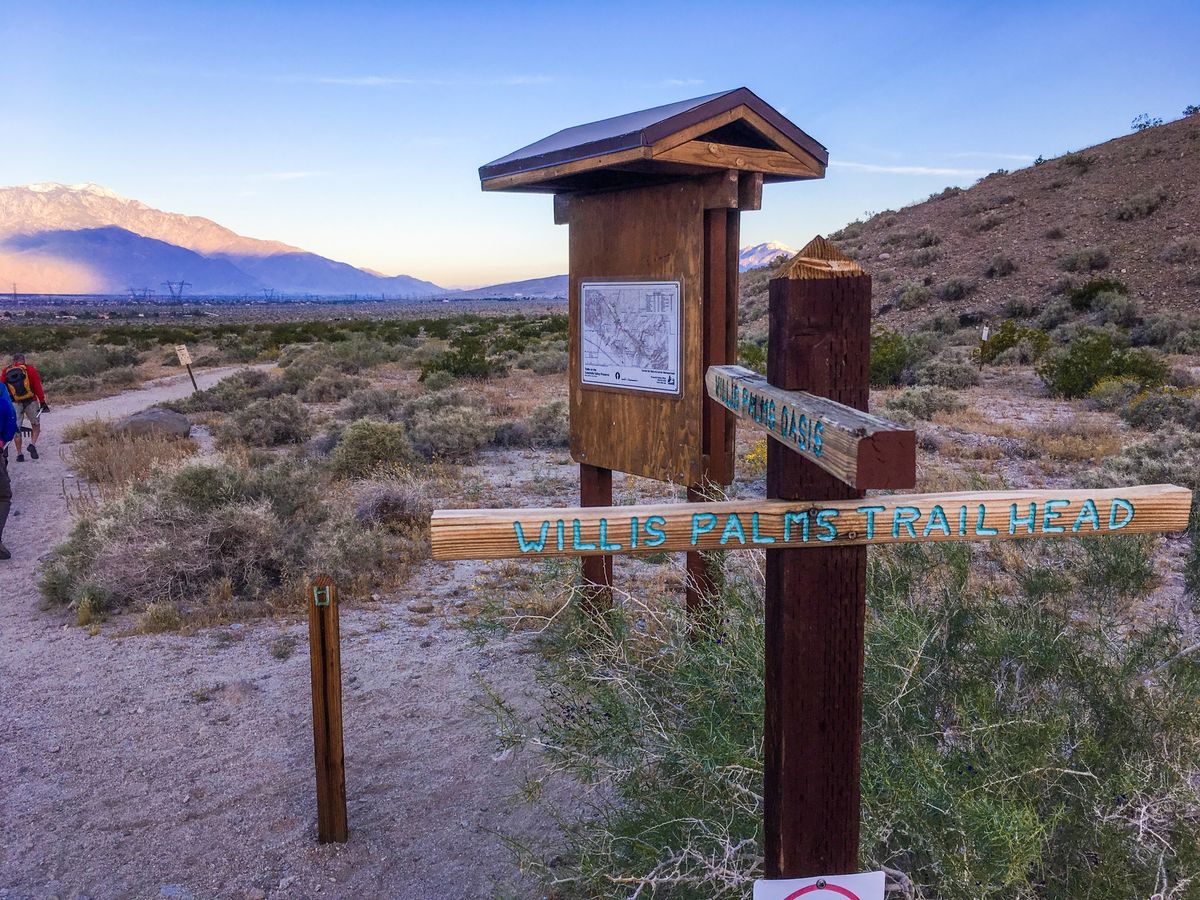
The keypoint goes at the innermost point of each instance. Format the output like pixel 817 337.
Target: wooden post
pixel 195 387
pixel 595 489
pixel 325 652
pixel 820 337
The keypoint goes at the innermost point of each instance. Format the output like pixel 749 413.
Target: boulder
pixel 156 421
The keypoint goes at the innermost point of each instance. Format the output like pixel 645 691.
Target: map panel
pixel 629 334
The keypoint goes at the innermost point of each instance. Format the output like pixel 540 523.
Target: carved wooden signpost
pixel 653 200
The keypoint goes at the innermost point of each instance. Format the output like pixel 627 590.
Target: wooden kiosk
pixel 653 200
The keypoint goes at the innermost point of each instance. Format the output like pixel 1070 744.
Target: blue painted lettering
pixel 1050 513
pixel 700 526
pixel 937 519
pixel 755 537
pixel 1088 513
pixel 870 513
pixel 733 529
pixel 531 546
pixel 655 531
pixel 1028 521
pixel 906 516
pixel 1126 507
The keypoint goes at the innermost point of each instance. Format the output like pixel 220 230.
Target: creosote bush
pixel 1016 745
pixel 1094 355
pixel 1139 205
pixel 943 371
pixel 1001 265
pixel 1030 343
pixel 366 446
pixel 891 354
pixel 270 422
pixel 923 402
pixel 1089 259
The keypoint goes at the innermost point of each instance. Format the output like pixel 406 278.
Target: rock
pixel 156 421
pixel 420 606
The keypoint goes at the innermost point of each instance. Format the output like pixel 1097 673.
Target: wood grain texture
pixel 743 159
pixel 860 449
pixel 647 234
pixel 768 524
pixel 814 603
pixel 326 659
pixel 595 489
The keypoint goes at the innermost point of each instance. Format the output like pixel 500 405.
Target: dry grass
pixel 112 459
pixel 1081 439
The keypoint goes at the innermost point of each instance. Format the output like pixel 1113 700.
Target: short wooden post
pixel 820 329
pixel 325 652
pixel 595 489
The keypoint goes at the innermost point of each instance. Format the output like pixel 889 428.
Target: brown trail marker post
pixel 653 200
pixel 325 653
pixel 185 358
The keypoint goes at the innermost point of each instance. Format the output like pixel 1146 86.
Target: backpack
pixel 17 379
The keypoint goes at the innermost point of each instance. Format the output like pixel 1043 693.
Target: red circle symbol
pixel 833 888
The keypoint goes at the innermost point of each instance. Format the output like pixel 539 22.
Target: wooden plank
pixel 595 489
pixel 814 603
pixel 646 234
pixel 326 659
pixel 858 448
pixel 750 185
pixel 744 159
pixel 718 463
pixel 762 524
pixel 534 176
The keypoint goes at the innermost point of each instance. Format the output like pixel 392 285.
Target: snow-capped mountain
pixel 762 255
pixel 84 238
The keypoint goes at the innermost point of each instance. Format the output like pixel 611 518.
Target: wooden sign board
pixel 862 450
pixel 185 358
pixel 781 524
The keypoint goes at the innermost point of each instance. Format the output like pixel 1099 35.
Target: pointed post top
pixel 820 259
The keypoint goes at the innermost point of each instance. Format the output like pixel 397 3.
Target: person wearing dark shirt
pixel 8 430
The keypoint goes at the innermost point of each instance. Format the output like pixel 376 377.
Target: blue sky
pixel 356 129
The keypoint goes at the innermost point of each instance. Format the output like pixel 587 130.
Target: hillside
pixel 84 238
pixel 1128 209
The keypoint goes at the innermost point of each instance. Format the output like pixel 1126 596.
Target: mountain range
pixel 86 239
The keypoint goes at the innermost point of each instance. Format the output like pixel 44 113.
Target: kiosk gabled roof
pixel 729 130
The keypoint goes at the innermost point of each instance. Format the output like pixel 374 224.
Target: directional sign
pixel 862 450
pixel 865 886
pixel 185 358
pixel 781 524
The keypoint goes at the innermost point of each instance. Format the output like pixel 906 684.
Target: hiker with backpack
pixel 25 388
pixel 8 430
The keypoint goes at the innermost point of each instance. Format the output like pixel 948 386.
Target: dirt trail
pixel 169 766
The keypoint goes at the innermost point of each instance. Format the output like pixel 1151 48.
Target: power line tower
pixel 175 288
pixel 268 294
pixel 140 294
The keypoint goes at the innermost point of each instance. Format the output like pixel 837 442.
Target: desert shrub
pixel 81 358
pixel 913 295
pixel 466 357
pixel 329 385
pixel 1151 409
pixel 440 380
pixel 1089 259
pixel 1084 296
pixel 1054 233
pixel 955 289
pixel 396 504
pixel 1181 250
pixel 1056 313
pixel 1001 265
pixel 1139 205
pixel 923 402
pixel 1077 161
pixel 1118 309
pixel 112 458
pixel 753 356
pixel 550 424
pixel 367 445
pixel 451 432
pixel 1031 341
pixel 351 355
pixel 941 323
pixel 1092 356
pixel 946 372
pixel 211 533
pixel 1020 308
pixel 1142 121
pixel 891 354
pixel 72 385
pixel 1110 394
pixel 541 362
pixel 1157 331
pixel 987 223
pixel 384 404
pixel 927 238
pixel 270 422
pixel 231 393
pixel 1012 747
pixel 925 256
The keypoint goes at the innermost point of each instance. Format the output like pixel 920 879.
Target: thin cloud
pixel 681 82
pixel 908 170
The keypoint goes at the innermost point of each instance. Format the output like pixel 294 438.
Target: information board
pixel 629 335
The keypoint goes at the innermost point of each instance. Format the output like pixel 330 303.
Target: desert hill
pixel 1127 209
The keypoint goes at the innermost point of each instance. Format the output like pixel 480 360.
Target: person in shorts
pixel 25 389
pixel 8 430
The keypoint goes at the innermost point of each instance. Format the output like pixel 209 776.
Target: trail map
pixel 630 334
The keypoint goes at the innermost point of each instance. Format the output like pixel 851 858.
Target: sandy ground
pixel 182 766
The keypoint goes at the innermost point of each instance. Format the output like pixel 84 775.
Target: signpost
pixel 653 200
pixel 865 886
pixel 326 658
pixel 185 359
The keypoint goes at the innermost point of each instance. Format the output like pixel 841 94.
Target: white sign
pixel 185 358
pixel 986 331
pixel 865 886
pixel 629 334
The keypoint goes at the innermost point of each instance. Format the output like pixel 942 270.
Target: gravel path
pixel 173 766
